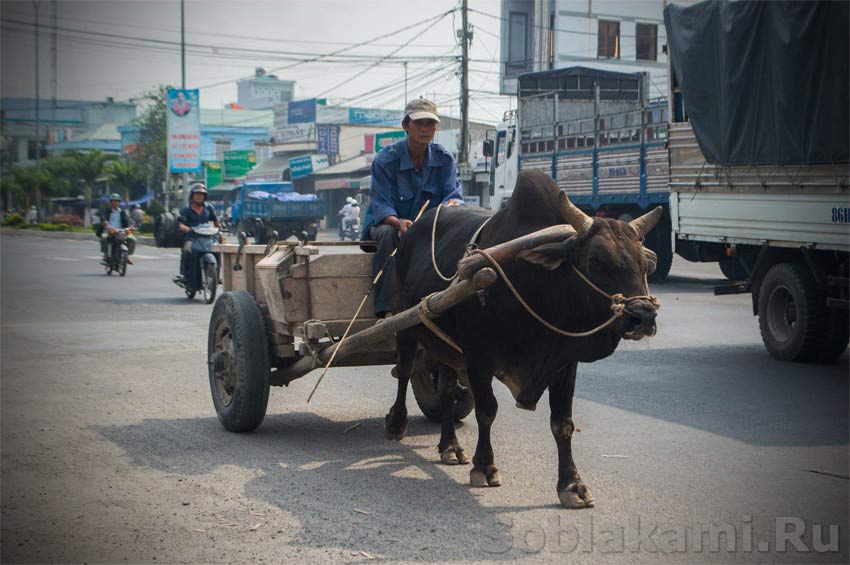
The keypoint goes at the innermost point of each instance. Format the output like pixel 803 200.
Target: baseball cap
pixel 421 109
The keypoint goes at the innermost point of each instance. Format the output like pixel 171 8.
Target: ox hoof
pixel 454 455
pixel 395 426
pixel 479 478
pixel 576 495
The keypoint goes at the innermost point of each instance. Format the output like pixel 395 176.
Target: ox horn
pixel 646 222
pixel 580 221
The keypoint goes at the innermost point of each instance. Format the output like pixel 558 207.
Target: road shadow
pixel 738 392
pixel 178 300
pixel 686 285
pixel 351 490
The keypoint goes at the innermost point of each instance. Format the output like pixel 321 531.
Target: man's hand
pixel 401 225
pixel 112 231
pixel 221 238
pixel 453 202
pixel 184 228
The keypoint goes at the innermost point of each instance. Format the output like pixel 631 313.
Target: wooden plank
pixel 370 338
pixel 270 270
pixel 335 265
pixel 227 270
pixel 332 298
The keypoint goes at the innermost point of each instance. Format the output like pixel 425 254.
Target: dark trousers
pixel 386 238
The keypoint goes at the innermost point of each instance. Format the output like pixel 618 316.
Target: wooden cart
pixel 286 306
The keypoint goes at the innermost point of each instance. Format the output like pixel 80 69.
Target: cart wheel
pixel 238 360
pixel 425 389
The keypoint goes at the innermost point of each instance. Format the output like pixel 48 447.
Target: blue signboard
pixel 300 166
pixel 374 117
pixel 302 112
pixel 327 138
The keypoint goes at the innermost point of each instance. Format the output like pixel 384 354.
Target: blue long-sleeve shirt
pixel 399 189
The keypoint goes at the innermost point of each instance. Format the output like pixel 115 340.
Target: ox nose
pixel 643 314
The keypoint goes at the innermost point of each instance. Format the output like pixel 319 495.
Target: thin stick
pixel 359 308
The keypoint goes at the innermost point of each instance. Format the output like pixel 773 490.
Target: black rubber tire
pixel 237 317
pixel 425 383
pixel 166 232
pixel 836 336
pixel 792 313
pixel 259 232
pixel 122 263
pixel 732 269
pixel 659 239
pixel 210 278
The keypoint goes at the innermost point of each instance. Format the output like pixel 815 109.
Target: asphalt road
pixel 111 450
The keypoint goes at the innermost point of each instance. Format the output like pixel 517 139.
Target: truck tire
pixel 836 336
pixel 166 233
pixel 792 313
pixel 259 232
pixel 732 269
pixel 660 241
pixel 425 390
pixel 238 361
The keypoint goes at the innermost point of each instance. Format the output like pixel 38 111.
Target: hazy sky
pixel 229 39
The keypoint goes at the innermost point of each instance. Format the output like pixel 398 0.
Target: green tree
pixel 33 183
pixel 88 167
pixel 151 155
pixel 123 175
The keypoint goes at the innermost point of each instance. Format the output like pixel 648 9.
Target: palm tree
pixel 88 166
pixel 124 174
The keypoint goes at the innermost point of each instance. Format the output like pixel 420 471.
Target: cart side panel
pixel 330 287
pixel 270 272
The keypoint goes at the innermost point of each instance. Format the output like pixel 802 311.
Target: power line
pixel 414 38
pixel 547 28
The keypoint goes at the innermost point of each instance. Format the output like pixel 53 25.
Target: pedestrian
pixel 405 176
pixel 32 215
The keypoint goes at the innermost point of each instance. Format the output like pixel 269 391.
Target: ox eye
pixel 594 264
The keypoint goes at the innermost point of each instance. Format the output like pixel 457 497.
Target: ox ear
pixel 580 221
pixel 646 222
pixel 549 256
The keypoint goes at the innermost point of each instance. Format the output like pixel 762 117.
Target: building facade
pixel 63 125
pixel 262 91
pixel 614 35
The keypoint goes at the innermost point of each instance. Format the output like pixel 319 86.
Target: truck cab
pixel 505 163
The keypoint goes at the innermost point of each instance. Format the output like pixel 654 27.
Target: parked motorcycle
pixel 118 253
pixel 202 274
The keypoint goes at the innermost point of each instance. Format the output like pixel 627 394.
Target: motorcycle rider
pixel 114 219
pixel 199 211
pixel 350 215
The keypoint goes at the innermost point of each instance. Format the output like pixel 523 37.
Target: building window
pixel 518 39
pixel 609 40
pixel 647 42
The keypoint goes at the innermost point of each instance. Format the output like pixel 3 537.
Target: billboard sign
pixel 238 162
pixel 306 165
pixel 213 172
pixel 302 112
pixel 288 134
pixel 184 131
pixel 327 139
pixel 387 138
pixel 374 117
pixel 331 114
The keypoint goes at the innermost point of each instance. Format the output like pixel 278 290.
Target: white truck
pixel 601 139
pixel 776 224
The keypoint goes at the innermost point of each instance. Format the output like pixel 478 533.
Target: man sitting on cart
pixel 198 212
pixel 406 175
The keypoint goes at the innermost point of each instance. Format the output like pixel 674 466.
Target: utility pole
pixel 463 156
pixel 405 82
pixel 184 176
pixel 37 93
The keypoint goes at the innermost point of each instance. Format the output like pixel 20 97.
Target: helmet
pixel 351 200
pixel 115 196
pixel 198 187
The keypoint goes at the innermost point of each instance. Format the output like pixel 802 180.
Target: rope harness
pixel 619 303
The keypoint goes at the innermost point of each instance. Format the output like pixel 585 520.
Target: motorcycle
pixel 349 229
pixel 118 253
pixel 203 263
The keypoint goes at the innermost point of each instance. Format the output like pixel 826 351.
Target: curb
pixel 140 239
